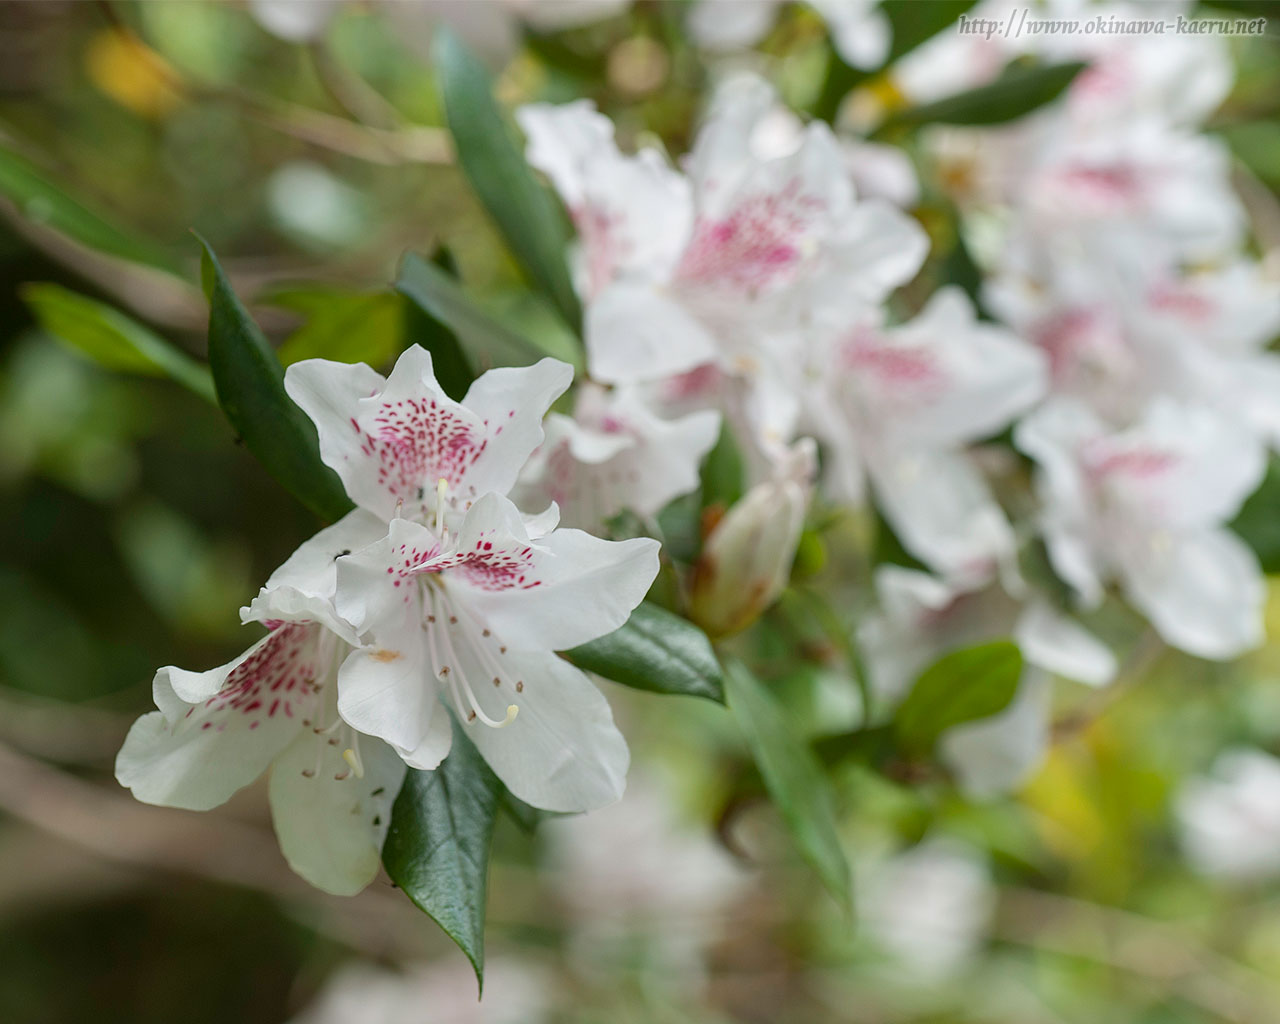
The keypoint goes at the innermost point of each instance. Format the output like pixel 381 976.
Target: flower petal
pixel 996 755
pixel 1061 645
pixel 196 754
pixel 551 594
pixel 1203 591
pixel 330 821
pixel 302 589
pixel 562 751
pixel 634 332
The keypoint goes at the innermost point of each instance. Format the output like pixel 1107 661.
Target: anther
pixel 349 755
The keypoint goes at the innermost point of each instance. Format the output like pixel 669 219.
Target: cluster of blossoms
pixel 436 594
pixel 1126 361
pixel 750 291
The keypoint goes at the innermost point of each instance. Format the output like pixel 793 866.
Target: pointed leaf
pixel 793 778
pixel 658 651
pixel 524 210
pixel 111 338
pixel 250 385
pixel 41 201
pixel 960 687
pixel 437 847
pixel 1016 93
pixel 486 341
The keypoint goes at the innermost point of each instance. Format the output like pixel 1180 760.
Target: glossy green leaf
pixel 658 651
pixel 42 202
pixel 250 385
pixel 960 687
pixel 437 848
pixel 111 338
pixel 1014 94
pixel 524 210
pixel 794 779
pixel 1258 521
pixel 485 340
pixel 345 326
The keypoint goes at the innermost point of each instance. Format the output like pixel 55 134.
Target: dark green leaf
pixel 1258 522
pixel 42 202
pixel 913 22
pixel 484 340
pixel 437 847
pixel 526 213
pixel 655 650
pixel 250 384
pixel 112 339
pixel 960 687
pixel 793 778
pixel 1017 92
pixel 723 475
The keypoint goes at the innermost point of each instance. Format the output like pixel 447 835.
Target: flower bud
pixel 746 560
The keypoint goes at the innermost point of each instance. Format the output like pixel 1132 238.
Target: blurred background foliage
pixel 133 527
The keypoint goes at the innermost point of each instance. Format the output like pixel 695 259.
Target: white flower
pixel 463 598
pixel 275 707
pixel 515 992
pixel 613 454
pixel 746 560
pixel 1146 506
pixel 708 274
pixel 899 405
pixel 1230 818
pixel 922 618
pixel 929 906
pixel 638 871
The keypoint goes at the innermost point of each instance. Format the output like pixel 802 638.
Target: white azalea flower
pixel 705 275
pixel 928 907
pixel 1146 507
pixel 515 992
pixel 1230 818
pixel 613 454
pixel 275 707
pixel 615 872
pixel 463 598
pixel 898 405
pixel 921 618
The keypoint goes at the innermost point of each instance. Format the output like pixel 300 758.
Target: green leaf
pixel 913 22
pixel 658 651
pixel 485 341
pixel 437 847
pixel 1017 92
pixel 723 473
pixel 960 687
pixel 40 201
pixel 345 326
pixel 525 212
pixel 793 778
pixel 1258 522
pixel 112 339
pixel 250 385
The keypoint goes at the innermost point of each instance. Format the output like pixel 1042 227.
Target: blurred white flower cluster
pixel 1127 359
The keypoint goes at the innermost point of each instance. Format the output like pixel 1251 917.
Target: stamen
pixel 352 757
pixel 460 688
pixel 442 489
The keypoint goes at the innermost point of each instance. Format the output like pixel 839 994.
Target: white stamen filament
pixel 459 687
pixel 442 490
